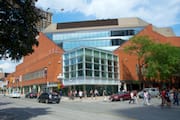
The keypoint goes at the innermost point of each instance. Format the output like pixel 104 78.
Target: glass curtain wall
pixel 94 38
pixel 89 63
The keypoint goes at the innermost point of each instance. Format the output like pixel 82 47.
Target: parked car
pixel 15 94
pixel 49 98
pixel 120 96
pixel 154 92
pixel 31 95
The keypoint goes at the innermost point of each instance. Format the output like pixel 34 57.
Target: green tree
pixel 18 32
pixel 139 46
pixel 163 61
pixel 155 60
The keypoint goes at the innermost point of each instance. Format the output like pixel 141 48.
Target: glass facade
pixel 88 61
pixel 34 75
pixel 93 38
pixel 90 64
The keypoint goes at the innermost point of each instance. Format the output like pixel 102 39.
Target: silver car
pixel 154 92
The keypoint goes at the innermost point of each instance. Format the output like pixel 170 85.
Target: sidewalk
pixel 85 99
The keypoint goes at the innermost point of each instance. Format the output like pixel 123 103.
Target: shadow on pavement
pixel 22 113
pixel 149 113
pixel 2 103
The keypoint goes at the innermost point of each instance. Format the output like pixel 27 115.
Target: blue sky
pixel 164 13
pixel 161 13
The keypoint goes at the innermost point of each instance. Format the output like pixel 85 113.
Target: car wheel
pixel 58 102
pixel 121 99
pixel 46 101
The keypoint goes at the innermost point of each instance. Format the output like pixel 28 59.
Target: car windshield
pixel 53 94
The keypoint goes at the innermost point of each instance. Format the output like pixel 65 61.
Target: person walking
pixel 176 99
pixel 80 94
pixel 163 100
pixel 91 93
pixel 132 97
pixel 167 97
pixel 146 98
pixel 104 94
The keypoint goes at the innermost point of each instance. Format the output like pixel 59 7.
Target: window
pixel 66 75
pixel 88 52
pixel 73 67
pixel 73 61
pixel 109 68
pixel 80 59
pixel 115 75
pixel 73 74
pixel 96 54
pixel 66 62
pixel 67 69
pixel 103 56
pixel 80 66
pixel 96 73
pixel 96 60
pixel 80 73
pixel 115 69
pixel 88 72
pixel 88 66
pixel 103 67
pixel 103 61
pixel 103 74
pixel 73 54
pixel 79 52
pixel 96 66
pixel 115 63
pixel 88 59
pixel 109 62
pixel 109 75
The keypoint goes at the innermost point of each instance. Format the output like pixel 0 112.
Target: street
pixel 30 109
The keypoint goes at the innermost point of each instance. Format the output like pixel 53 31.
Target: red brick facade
pixel 127 63
pixel 46 55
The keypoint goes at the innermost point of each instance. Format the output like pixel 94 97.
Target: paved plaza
pixel 85 109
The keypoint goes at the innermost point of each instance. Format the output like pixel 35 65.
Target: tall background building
pixel 45 21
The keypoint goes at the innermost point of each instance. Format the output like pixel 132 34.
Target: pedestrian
pixel 104 94
pixel 167 98
pixel 91 93
pixel 96 93
pixel 149 97
pixel 163 100
pixel 135 96
pixel 80 94
pixel 176 99
pixel 146 98
pixel 132 97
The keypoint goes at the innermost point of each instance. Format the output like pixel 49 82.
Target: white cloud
pixel 159 13
pixel 8 66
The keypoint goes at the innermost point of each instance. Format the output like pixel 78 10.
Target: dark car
pixel 49 98
pixel 120 96
pixel 31 95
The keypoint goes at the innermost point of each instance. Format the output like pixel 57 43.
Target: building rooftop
pixel 132 22
pixel 96 24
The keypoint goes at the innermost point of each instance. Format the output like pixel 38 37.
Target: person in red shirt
pixel 163 94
